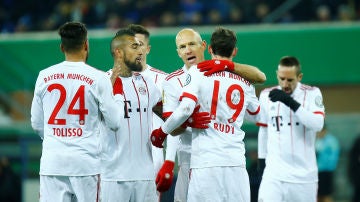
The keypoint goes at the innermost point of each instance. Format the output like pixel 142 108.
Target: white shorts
pixel 272 190
pixel 65 188
pixel 182 183
pixel 132 191
pixel 230 184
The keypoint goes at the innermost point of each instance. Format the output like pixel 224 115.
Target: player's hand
pixel 198 119
pixel 165 176
pixel 157 137
pixel 118 87
pixel 212 66
pixel 280 95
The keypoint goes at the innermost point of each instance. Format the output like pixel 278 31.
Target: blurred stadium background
pixel 323 34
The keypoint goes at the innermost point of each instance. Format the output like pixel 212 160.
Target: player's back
pixel 227 97
pixel 72 95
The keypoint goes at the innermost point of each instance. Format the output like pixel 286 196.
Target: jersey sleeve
pixel 262 123
pixel 262 142
pixel 172 145
pixel 192 86
pixel 312 116
pixel 170 98
pixel 37 113
pixel 253 109
pixel 108 103
pixel 179 116
pixel 262 116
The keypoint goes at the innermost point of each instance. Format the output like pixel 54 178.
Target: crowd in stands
pixel 39 15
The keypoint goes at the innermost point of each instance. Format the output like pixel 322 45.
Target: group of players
pixel 119 136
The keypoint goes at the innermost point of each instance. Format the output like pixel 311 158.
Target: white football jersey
pixel 69 99
pixel 172 89
pixel 227 97
pixel 288 145
pixel 157 76
pixel 127 152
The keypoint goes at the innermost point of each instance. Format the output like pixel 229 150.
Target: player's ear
pixel 148 49
pixel 119 52
pixel 234 52
pixel 203 44
pixel 210 50
pixel 62 48
pixel 300 76
pixel 86 45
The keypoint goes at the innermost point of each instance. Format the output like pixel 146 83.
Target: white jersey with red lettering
pixel 172 89
pixel 157 76
pixel 287 139
pixel 69 99
pixel 227 97
pixel 127 153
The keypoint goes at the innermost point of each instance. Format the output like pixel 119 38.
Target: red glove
pixel 212 66
pixel 157 137
pixel 118 87
pixel 165 176
pixel 198 119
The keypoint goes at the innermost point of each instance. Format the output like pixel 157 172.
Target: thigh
pixel 198 186
pixel 301 192
pixel 271 190
pixel 182 183
pixel 55 189
pixel 115 191
pixel 219 184
pixel 236 182
pixel 86 188
pixel 144 190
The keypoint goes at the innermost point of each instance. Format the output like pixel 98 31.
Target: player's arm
pixel 262 147
pixel 165 175
pixel 182 113
pixel 309 119
pixel 261 121
pixel 110 102
pixel 37 116
pixel 249 72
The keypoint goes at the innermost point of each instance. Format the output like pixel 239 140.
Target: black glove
pixel 279 95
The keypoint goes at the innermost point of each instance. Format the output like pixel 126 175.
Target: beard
pixel 133 66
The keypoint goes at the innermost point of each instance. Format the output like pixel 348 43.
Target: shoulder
pixel 174 74
pixel 267 90
pixel 305 87
pixel 194 70
pixel 310 89
pixel 157 71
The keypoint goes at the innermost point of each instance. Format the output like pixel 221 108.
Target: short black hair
pixel 73 36
pixel 223 42
pixel 290 61
pixel 118 39
pixel 139 29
